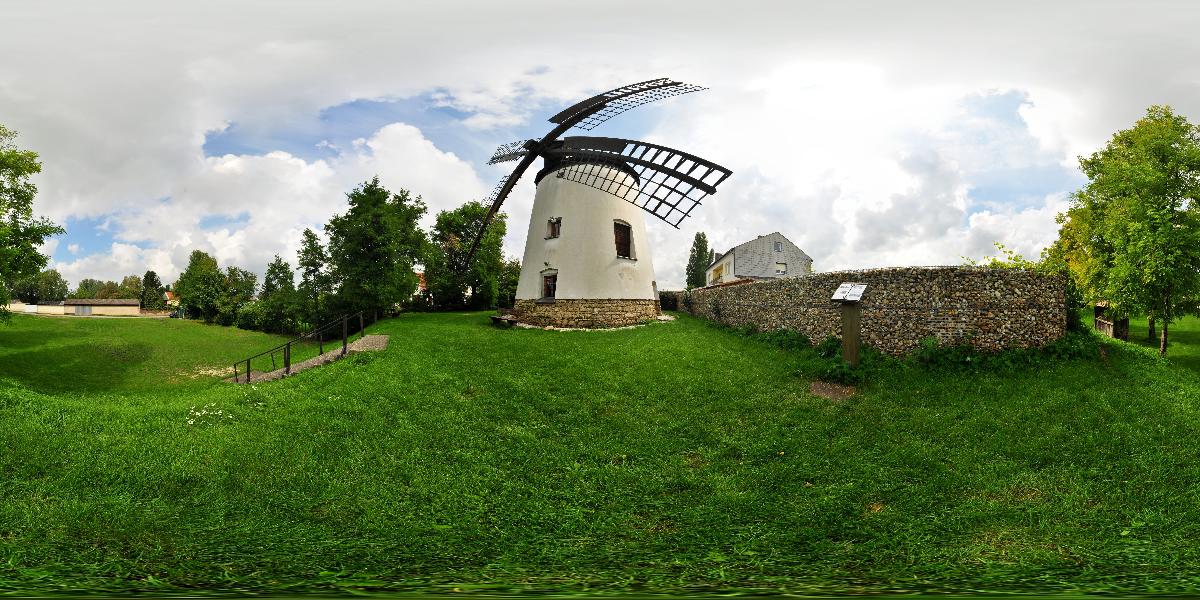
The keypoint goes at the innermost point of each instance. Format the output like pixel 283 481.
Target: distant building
pixel 171 298
pixel 770 256
pixel 82 307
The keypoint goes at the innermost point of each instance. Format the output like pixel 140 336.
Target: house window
pixel 717 272
pixel 781 268
pixel 553 227
pixel 549 285
pixel 623 235
pixel 779 246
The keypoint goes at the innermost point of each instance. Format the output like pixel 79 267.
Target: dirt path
pixel 368 343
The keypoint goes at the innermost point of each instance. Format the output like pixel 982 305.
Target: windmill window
pixel 781 268
pixel 623 236
pixel 549 285
pixel 779 246
pixel 553 227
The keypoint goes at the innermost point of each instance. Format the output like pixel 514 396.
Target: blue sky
pixel 898 133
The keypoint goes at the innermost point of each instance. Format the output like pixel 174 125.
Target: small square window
pixel 781 268
pixel 553 227
pixel 779 246
pixel 623 235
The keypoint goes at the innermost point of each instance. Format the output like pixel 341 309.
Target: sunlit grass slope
pixel 672 457
pixel 87 355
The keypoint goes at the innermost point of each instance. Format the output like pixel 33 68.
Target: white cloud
pixel 844 125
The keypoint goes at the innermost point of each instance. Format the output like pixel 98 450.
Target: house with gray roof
pixel 770 256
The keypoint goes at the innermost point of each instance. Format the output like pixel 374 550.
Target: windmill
pixel 587 260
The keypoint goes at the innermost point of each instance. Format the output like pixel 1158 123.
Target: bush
pixel 250 316
pixel 840 371
pixel 668 300
pixel 829 347
pixel 787 339
pixel 934 356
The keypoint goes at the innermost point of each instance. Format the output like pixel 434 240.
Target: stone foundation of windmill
pixel 990 309
pixel 585 313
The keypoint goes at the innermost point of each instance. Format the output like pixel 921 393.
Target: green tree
pixel 450 282
pixel 316 283
pixel 277 300
pixel 237 290
pixel 108 289
pixel 510 275
pixel 1142 227
pixel 21 233
pixel 374 246
pixel 152 292
pixel 87 288
pixel 130 287
pixel 46 286
pixel 698 261
pixel 200 286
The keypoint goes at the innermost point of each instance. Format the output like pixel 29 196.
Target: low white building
pixel 770 256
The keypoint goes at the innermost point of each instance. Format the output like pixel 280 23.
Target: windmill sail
pixel 666 183
pixel 510 151
pixel 669 184
pixel 599 108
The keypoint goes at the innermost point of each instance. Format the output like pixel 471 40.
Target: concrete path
pixel 367 343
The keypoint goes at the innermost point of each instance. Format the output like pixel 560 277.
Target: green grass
pixel 1183 340
pixel 67 354
pixel 674 457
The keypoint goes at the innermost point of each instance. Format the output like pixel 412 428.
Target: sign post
pixel 848 295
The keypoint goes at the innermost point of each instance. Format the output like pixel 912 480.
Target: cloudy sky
pixel 870 134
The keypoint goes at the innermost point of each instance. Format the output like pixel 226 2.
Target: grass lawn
pixel 1183 340
pixel 68 354
pixel 673 457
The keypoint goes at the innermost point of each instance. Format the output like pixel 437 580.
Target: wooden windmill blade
pixel 511 151
pixel 667 183
pixel 588 114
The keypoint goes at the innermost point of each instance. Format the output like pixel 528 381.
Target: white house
pixel 770 256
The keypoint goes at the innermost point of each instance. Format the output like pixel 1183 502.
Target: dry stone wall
pixel 591 313
pixel 990 309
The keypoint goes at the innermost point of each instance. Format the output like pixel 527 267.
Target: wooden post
pixel 361 328
pixel 851 332
pixel 344 335
pixel 287 359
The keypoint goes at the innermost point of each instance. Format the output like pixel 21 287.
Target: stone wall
pixel 594 313
pixel 990 309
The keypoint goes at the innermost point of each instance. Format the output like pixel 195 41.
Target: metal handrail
pixel 287 346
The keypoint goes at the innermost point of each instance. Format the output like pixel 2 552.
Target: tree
pixel 1138 220
pixel 316 284
pixel 108 290
pixel 510 275
pixel 698 260
pixel 277 304
pixel 87 288
pixel 374 246
pixel 450 282
pixel 46 286
pixel 200 286
pixel 237 290
pixel 130 287
pixel 152 292
pixel 21 233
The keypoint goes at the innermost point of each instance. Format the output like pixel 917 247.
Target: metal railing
pixel 343 322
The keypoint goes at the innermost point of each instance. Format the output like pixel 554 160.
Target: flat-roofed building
pixel 113 307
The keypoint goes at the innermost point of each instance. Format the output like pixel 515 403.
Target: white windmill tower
pixel 587 260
